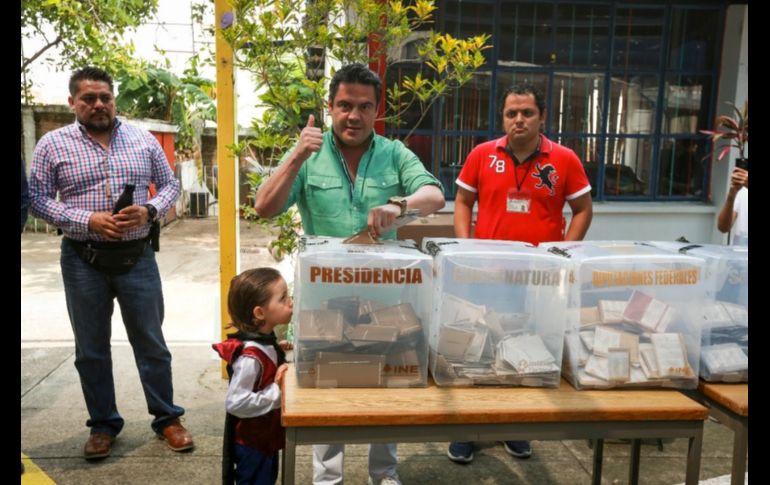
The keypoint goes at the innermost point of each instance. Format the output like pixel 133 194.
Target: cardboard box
pixel 400 316
pixel 320 325
pixel 434 225
pixel 335 369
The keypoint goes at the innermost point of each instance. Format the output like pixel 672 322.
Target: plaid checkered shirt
pixel 90 178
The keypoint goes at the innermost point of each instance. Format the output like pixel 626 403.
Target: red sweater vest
pixel 263 433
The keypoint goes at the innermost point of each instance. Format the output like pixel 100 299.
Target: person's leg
pixel 518 448
pixel 140 296
pixel 90 305
pixel 274 468
pixel 460 451
pixel 328 463
pixel 253 467
pixel 383 458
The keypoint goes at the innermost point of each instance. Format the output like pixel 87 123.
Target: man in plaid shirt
pixel 89 163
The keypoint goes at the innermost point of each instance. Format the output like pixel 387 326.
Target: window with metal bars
pixel 628 86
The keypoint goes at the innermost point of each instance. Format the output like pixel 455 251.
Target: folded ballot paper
pixel 671 355
pixel 618 366
pixel 739 314
pixel 321 325
pixel 401 316
pixel 724 358
pixel 624 342
pixel 606 338
pixel 477 345
pixel 650 314
pixel 527 354
pixel 454 309
pixel 611 311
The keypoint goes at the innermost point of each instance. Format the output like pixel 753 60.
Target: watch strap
pixel 152 213
pixel 400 202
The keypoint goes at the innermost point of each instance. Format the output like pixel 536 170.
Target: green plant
pixel 155 92
pixel 286 45
pixel 288 224
pixel 735 130
pixel 84 31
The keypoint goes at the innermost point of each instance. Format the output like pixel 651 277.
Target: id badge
pixel 518 202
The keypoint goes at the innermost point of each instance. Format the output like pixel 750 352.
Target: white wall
pixel 659 221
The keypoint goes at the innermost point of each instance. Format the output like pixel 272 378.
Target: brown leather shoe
pixel 98 446
pixel 177 438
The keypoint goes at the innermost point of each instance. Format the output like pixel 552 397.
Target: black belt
pixel 108 245
pixel 116 257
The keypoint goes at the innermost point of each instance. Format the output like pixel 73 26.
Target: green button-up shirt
pixel 330 205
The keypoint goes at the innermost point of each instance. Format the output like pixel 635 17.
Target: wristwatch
pixel 400 202
pixel 152 212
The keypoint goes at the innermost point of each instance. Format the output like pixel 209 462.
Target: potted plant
pixel 736 131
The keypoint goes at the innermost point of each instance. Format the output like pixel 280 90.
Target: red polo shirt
pixel 548 179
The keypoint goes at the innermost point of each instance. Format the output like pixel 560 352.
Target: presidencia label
pixel 688 276
pixel 532 277
pixel 376 276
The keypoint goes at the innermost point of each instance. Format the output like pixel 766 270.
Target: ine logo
pixel 401 370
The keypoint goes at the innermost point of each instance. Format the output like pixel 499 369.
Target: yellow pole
pixel 226 135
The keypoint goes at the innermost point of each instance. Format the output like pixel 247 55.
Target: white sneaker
pixel 386 481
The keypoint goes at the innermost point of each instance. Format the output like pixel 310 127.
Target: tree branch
pixel 39 53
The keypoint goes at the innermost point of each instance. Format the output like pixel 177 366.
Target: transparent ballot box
pixel 635 315
pixel 725 313
pixel 499 313
pixel 361 314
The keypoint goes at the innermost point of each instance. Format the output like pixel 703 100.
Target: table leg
pixel 740 448
pixel 598 446
pixel 693 455
pixel 633 467
pixel 289 457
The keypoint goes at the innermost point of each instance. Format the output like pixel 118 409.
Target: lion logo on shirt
pixel 546 176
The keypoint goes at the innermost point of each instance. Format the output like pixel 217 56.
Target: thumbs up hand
pixel 310 140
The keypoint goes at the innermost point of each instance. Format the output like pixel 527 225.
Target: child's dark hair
pixel 248 290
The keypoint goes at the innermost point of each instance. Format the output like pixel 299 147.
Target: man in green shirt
pixel 350 178
pixel 343 181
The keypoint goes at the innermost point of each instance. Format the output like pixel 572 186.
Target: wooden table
pixel 314 416
pixel 729 403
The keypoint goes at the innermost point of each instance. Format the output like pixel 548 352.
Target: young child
pixel 258 301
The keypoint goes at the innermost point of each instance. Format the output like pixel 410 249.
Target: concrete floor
pixel 53 412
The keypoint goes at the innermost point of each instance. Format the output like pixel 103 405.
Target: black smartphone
pixel 742 163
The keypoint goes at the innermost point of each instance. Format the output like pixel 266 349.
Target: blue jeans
pixel 90 301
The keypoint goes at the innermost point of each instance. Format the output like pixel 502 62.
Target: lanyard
pixel 516 175
pixel 531 159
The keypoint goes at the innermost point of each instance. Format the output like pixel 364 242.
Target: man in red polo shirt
pixel 521 182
